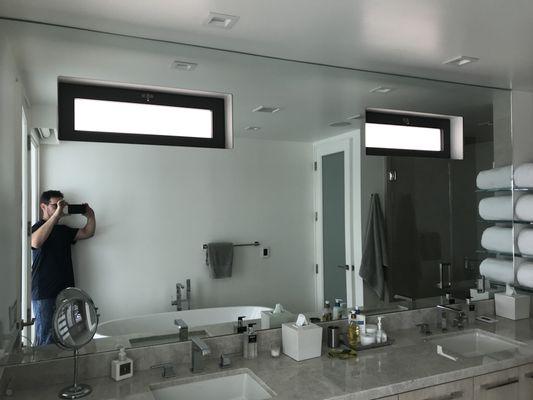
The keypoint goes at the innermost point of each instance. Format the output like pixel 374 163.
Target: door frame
pixel 349 143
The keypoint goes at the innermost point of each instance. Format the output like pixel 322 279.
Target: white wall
pixel 10 189
pixel 157 205
pixel 522 112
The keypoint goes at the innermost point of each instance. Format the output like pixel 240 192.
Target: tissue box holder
pixel 513 307
pixel 270 320
pixel 301 342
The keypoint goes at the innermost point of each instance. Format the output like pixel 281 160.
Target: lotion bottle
pixel 122 367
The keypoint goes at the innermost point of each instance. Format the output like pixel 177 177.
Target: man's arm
pixel 88 230
pixel 40 235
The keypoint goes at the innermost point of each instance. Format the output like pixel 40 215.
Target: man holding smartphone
pixel 52 259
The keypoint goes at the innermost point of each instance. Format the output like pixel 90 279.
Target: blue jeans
pixel 43 311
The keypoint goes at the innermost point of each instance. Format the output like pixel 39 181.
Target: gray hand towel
pixel 219 258
pixel 375 255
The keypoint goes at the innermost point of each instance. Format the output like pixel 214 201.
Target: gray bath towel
pixel 219 258
pixel 375 255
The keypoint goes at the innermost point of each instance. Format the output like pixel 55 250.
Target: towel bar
pixel 237 245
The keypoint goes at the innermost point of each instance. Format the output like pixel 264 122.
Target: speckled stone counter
pixel 411 363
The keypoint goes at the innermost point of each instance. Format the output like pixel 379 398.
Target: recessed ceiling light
pixel 382 89
pixel 183 65
pixel 339 124
pixel 222 21
pixel 252 128
pixel 266 109
pixel 356 116
pixel 461 61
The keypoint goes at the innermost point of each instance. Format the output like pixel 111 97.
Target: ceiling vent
pixel 266 109
pixel 183 65
pixel 461 61
pixel 222 21
pixel 339 124
pixel 382 90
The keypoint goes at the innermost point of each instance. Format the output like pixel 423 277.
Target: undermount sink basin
pixel 474 343
pixel 240 384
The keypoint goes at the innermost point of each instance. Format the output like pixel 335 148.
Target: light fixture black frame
pixel 68 91
pixel 384 118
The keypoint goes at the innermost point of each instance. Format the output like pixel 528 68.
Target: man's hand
pixel 89 212
pixel 88 230
pixel 59 212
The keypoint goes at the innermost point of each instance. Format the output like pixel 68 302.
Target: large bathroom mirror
pixel 298 182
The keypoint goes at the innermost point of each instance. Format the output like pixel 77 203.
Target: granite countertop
pixel 410 363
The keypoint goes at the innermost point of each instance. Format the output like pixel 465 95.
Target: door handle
pixel 346 267
pixel 489 386
pixel 451 396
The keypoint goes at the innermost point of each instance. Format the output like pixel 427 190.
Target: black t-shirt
pixel 51 270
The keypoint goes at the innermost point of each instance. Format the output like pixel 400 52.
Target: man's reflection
pixel 52 261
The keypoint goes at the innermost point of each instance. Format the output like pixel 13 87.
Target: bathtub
pixel 213 320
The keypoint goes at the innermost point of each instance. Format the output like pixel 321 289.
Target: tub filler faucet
pixel 179 296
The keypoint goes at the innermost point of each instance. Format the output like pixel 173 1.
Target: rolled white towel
pixel 525 241
pixel 495 178
pixel 497 270
pixel 498 238
pixel 524 275
pixel 497 208
pixel 524 207
pixel 523 175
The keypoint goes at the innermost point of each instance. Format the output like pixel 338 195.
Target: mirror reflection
pixel 206 236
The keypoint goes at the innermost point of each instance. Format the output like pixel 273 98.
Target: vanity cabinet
pixel 458 390
pixel 501 385
pixel 525 384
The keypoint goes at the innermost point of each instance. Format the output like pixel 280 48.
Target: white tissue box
pixel 514 306
pixel 301 342
pixel 270 320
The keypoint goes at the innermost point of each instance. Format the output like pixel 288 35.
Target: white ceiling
pixel 411 37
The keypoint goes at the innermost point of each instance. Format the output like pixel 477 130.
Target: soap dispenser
pixel 122 367
pixel 381 335
pixel 337 309
pixel 249 349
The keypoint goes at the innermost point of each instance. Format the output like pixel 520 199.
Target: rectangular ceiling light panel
pixel 403 137
pixel 410 134
pixel 96 111
pixel 143 119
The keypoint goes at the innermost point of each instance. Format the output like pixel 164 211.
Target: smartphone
pixel 75 209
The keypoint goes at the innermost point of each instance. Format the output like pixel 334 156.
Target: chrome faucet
pixel 179 297
pixel 183 330
pixel 458 321
pixel 199 350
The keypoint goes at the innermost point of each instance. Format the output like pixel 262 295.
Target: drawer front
pixel 525 386
pixel 502 385
pixel 458 390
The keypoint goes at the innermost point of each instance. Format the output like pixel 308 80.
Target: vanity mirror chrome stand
pixel 74 324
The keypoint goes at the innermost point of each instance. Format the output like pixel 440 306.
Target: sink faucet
pixel 199 351
pixel 458 321
pixel 179 297
pixel 183 330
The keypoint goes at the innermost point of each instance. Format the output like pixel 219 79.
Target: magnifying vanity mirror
pixel 75 322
